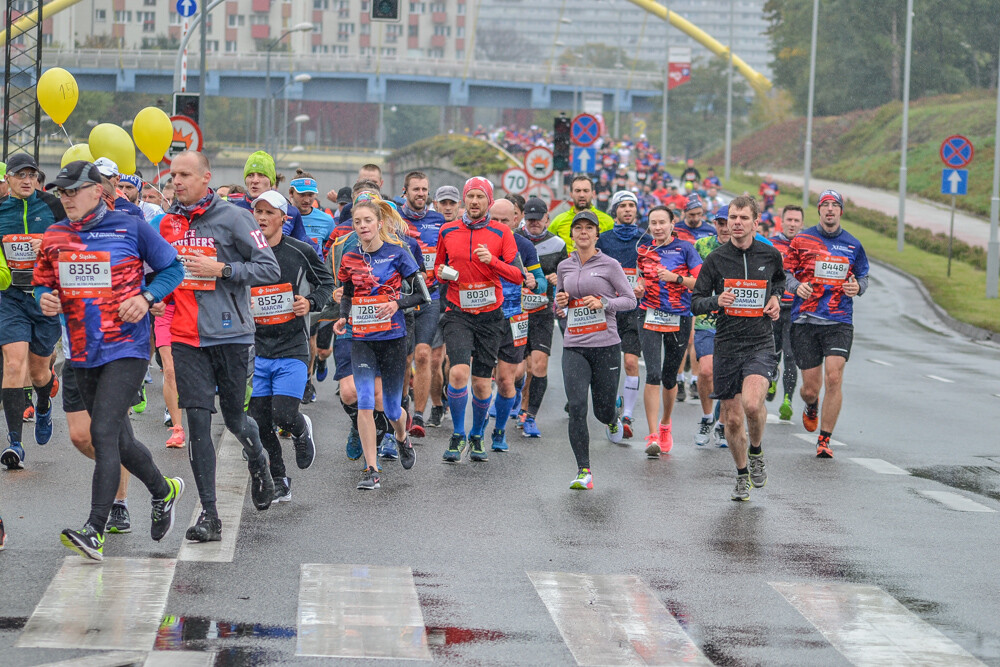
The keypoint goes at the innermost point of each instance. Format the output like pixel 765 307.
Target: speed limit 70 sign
pixel 515 181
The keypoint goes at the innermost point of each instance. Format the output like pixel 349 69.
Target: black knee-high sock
pixel 352 411
pixel 538 387
pixel 13 409
pixel 43 392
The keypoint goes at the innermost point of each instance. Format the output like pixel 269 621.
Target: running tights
pixel 595 369
pixel 282 411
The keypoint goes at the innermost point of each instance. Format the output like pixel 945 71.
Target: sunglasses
pixel 69 193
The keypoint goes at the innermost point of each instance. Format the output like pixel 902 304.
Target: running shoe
pixel 530 428
pixel 149 377
pixel 309 395
pixel 455 448
pixel 772 390
pixel 140 405
pixel 810 417
pixel 387 449
pixel 43 427
pixel 321 370
pixel 476 450
pixel 29 413
pixel 666 438
pixel 614 431
pixel 626 427
pixel 208 528
pixel 758 471
pixel 162 514
pixel 177 437
pixel 653 445
pixel 3 535
pixel 354 450
pixel 823 450
pixel 694 388
pixel 785 411
pixel 305 448
pixel 87 541
pixel 407 456
pixel 282 433
pixel 437 414
pixel 261 485
pixel 742 490
pixel 704 434
pixel 720 435
pixel 282 490
pixel 681 392
pixel 13 456
pixel 370 479
pixel 119 520
pixel 167 420
pixel 584 480
pixel 521 416
pixel 55 384
pixel 418 430
pixel 499 439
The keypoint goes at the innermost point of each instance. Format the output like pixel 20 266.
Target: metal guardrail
pixel 286 62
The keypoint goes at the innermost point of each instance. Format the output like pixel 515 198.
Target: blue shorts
pixel 425 323
pixel 23 322
pixel 704 343
pixel 279 377
pixel 342 358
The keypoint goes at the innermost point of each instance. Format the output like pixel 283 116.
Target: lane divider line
pixel 880 466
pixel 955 501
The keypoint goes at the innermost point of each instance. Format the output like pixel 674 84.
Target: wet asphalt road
pixel 471 532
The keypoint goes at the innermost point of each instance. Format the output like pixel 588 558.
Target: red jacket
pixel 456 248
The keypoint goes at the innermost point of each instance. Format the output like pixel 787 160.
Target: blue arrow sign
pixel 584 159
pixel 187 8
pixel 954 181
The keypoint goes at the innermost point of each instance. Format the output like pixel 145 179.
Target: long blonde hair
pixel 392 228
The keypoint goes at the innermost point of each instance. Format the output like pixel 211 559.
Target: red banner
pixel 679 73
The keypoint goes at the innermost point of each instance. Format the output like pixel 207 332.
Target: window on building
pixel 100 15
pixel 365 6
pixel 317 27
pixel 123 16
pixel 438 7
pixel 149 3
pixel 460 31
pixel 232 46
pixel 442 30
pixel 148 21
pixel 340 50
pixel 460 9
pixel 259 18
pixel 236 20
pixel 413 31
pixel 418 7
pixel 390 51
pixel 321 4
pixel 366 29
pixel 435 53
pixel 211 46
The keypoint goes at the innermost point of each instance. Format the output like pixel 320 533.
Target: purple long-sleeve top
pixel 600 276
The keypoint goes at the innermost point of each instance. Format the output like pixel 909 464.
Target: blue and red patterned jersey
pixel 95 267
pixel 783 243
pixel 692 234
pixel 377 274
pixel 827 301
pixel 426 227
pixel 677 256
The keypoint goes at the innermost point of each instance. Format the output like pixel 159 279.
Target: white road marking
pixel 869 627
pixel 940 379
pixel 775 419
pixel 880 362
pixel 231 477
pixel 180 659
pixel 955 501
pixel 115 604
pixel 114 659
pixel 360 611
pixel 811 439
pixel 880 466
pixel 614 620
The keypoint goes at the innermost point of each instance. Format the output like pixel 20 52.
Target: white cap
pixel 107 167
pixel 273 198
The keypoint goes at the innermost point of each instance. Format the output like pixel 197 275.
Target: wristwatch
pixel 148 296
pixel 227 271
pixel 680 279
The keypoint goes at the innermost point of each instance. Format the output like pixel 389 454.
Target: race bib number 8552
pixel 272 304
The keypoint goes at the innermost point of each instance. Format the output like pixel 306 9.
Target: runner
pixel 379 278
pixel 4 284
pixel 743 280
pixel 827 269
pixel 692 228
pixel 28 338
pixel 668 268
pixel 591 288
pixel 791 221
pixel 474 255
pixel 212 331
pixel 259 176
pixel 281 341
pixel 582 192
pixel 90 267
pixel 131 185
pixel 621 243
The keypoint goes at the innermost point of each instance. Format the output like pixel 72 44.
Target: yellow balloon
pixel 153 133
pixel 57 94
pixel 110 141
pixel 76 152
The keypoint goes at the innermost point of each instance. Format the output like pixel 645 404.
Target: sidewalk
pixel 919 212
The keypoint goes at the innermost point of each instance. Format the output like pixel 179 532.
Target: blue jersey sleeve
pixel 153 248
pixel 691 256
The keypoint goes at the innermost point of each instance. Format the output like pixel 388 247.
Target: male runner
pixel 259 176
pixel 691 228
pixel 791 220
pixel 582 192
pixel 130 186
pixel 826 268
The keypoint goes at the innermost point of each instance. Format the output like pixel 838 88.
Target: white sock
pixel 631 394
pixel 707 418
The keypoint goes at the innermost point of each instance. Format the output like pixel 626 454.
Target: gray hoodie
pixel 603 277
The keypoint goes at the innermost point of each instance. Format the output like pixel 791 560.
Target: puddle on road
pixel 981 480
pixel 11 623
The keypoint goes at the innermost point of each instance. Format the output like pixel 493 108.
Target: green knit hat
pixel 260 162
pixel 3 169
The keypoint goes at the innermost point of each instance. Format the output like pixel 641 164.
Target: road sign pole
pixel 666 85
pixel 901 217
pixel 951 233
pixel 993 249
pixel 807 160
pixel 184 56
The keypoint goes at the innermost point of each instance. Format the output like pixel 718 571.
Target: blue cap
pixel 304 185
pixel 722 213
pixel 132 179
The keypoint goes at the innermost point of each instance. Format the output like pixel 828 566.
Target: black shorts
pixel 324 335
pixel 508 352
pixel 474 339
pixel 200 370
pixel 72 401
pixel 342 359
pixel 628 331
pixel 728 372
pixel 425 323
pixel 812 343
pixel 411 333
pixel 541 327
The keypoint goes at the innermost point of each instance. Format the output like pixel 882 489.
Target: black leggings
pixel 783 346
pixel 282 411
pixel 673 344
pixel 108 391
pixel 598 369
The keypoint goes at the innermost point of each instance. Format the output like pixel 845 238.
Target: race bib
pixel 519 329
pixel 85 275
pixel 475 297
pixel 830 270
pixel 660 320
pixel 633 277
pixel 429 258
pixel 583 320
pixel 190 281
pixel 531 303
pixel 272 304
pixel 18 251
pixel 750 297
pixel 364 315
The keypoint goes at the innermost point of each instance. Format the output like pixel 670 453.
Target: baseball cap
pixel 448 192
pixel 344 196
pixel 535 209
pixel 107 167
pixel 304 184
pixel 585 217
pixel 19 161
pixel 74 175
pixel 623 195
pixel 273 198
pixel 722 213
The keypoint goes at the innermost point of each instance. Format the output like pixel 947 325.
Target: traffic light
pixel 560 147
pixel 385 10
pixel 187 104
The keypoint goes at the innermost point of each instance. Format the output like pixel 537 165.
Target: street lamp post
pixel 269 107
pixel 993 249
pixel 666 84
pixel 729 101
pixel 807 165
pixel 901 217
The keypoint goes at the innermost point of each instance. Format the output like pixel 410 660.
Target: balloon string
pixel 63 128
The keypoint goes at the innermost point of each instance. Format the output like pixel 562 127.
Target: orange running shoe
pixel 55 385
pixel 666 438
pixel 29 413
pixel 823 450
pixel 653 445
pixel 177 437
pixel 810 417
